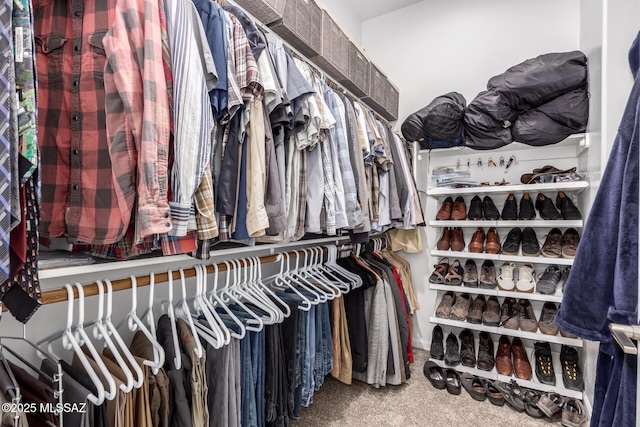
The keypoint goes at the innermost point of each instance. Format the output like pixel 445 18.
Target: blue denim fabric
pixel 308 385
pixel 301 351
pixel 247 389
pixel 318 367
pixel 258 361
pixel 327 340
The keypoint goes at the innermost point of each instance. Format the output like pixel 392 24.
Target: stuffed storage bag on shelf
pixel 438 125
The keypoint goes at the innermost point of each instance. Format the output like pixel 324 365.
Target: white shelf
pixel 575 140
pixel 506 189
pixel 536 223
pixel 557 297
pixel 532 336
pixel 502 257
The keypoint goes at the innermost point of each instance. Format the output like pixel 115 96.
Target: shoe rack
pixel 480 165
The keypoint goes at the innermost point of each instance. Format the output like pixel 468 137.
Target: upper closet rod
pixel 60 295
pixel 302 57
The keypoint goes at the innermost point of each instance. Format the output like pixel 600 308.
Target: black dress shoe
pixel 437 348
pixel 467 348
pixel 489 209
pixel 485 352
pixel 571 373
pixel 453 381
pixel 527 211
pixel 545 207
pixel 511 246
pixel 435 375
pixel 510 208
pixel 566 207
pixel 544 363
pixel 475 209
pixel 452 354
pixel 530 244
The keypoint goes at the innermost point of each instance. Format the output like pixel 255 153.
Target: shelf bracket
pixel 623 335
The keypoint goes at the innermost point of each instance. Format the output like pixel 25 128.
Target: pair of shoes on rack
pixel 521 399
pixel 569 359
pixel 558 245
pixel 574 413
pixel 527 238
pixel 511 357
pixel 477 243
pixel 445 273
pixel 442 378
pixel 552 277
pixel 510 209
pixel 452 238
pixel 452 210
pixel 483 209
pixel 518 315
pixel 480 389
pixel 526 281
pixel 487 278
pixel 463 351
pixel 548 211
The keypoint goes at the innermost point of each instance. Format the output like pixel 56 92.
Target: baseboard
pixel 421 344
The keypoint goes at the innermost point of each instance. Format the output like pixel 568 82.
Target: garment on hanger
pixel 7 391
pixel 33 390
pixel 74 394
pixel 199 391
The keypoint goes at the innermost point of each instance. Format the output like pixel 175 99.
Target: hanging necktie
pixel 6 78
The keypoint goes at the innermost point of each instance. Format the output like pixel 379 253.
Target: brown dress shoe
pixel 493 242
pixel 459 211
pixel 445 210
pixel 569 243
pixel 457 239
pixel 552 247
pixel 445 241
pixel 477 241
pixel 503 357
pixel 521 364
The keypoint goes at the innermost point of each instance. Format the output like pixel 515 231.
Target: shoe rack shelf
pixel 533 336
pixel 572 186
pixel 509 224
pixel 532 384
pixel 501 257
pixel 557 297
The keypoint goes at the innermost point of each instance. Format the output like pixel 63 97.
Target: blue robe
pixel 603 285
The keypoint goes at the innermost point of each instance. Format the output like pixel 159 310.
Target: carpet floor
pixel 413 404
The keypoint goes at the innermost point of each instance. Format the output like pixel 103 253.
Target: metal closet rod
pixel 60 295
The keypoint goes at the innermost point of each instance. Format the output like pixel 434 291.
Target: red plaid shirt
pixel 79 199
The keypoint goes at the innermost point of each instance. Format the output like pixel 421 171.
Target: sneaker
pixel 546 208
pixel 437 347
pixel 552 247
pixel 459 210
pixel 565 276
pixel 491 315
pixel 511 245
pixel 527 211
pixel 544 363
pixel 452 354
pixel 569 243
pixel 566 207
pixel 547 319
pixel 551 403
pixel 526 316
pixel 574 414
pixel 488 275
pixel 467 348
pixel 435 375
pixel 548 282
pixel 474 386
pixel 489 209
pixel 526 279
pixel 509 314
pixel 571 373
pixel 476 310
pixel 530 245
pixel 460 309
pixel 510 209
pixel 505 279
pixel 444 308
pixel 444 213
pixel 475 209
pixel 470 276
pixel 485 352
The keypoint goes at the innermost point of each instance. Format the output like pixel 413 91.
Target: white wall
pixel 438 46
pixel 342 12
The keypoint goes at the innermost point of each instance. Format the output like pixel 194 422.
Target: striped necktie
pixel 6 76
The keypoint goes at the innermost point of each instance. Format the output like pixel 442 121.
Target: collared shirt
pixel 193 119
pixel 213 21
pixel 79 200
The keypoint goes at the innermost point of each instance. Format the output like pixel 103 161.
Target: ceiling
pixel 368 9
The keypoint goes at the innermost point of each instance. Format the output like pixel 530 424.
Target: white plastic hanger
pixel 216 300
pixel 337 280
pixel 310 270
pixel 266 289
pixel 158 355
pixel 238 289
pixel 227 296
pixel 83 339
pixel 282 282
pixel 294 275
pixel 212 333
pixel 167 306
pixel 251 285
pixel 186 315
pixel 135 323
pixel 356 281
pixel 100 333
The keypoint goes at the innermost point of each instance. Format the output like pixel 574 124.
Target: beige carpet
pixel 414 404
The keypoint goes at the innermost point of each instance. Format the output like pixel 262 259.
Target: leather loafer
pixel 445 240
pixel 527 212
pixel 444 213
pixel 476 245
pixel 493 242
pixel 489 209
pixel 568 210
pixel 457 239
pixel 521 365
pixel 504 366
pixel 510 208
pixel 475 209
pixel 459 211
pixel 546 208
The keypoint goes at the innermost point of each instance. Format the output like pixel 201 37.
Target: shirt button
pixel 76 48
pixel 77 13
pixel 167 225
pixel 75 83
pixel 75 187
pixel 75 118
pixel 76 152
pixel 166 215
